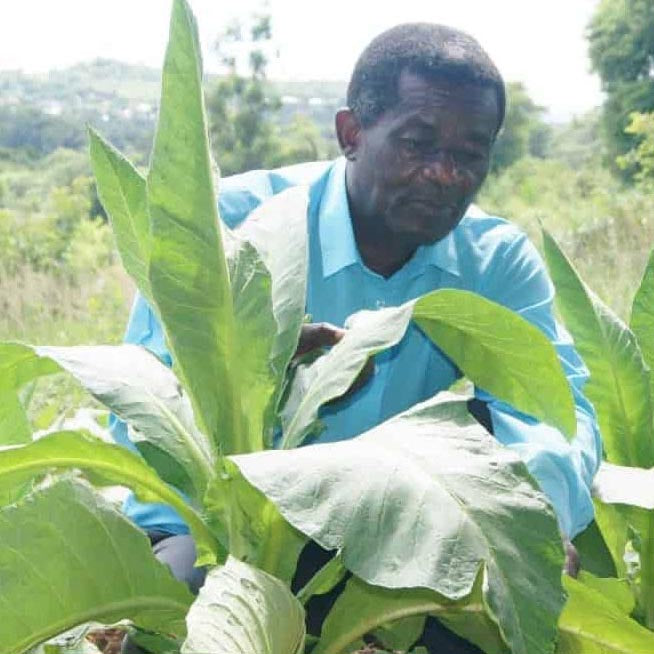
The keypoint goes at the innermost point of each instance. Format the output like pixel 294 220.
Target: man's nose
pixel 442 169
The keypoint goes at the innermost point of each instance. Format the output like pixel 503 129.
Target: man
pixel 392 220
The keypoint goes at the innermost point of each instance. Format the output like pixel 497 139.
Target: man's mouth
pixel 432 205
pixel 430 208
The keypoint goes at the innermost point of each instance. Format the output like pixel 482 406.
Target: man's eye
pixel 468 156
pixel 417 145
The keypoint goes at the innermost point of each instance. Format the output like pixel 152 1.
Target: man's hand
pixel 317 334
pixel 323 334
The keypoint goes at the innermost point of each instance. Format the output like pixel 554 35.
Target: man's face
pixel 416 170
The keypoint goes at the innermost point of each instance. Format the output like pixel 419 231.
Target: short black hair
pixel 433 52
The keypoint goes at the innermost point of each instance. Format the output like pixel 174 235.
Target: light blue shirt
pixel 483 254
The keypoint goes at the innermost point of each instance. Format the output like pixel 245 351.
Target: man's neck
pixel 379 251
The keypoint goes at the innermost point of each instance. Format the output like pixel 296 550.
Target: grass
pixel 46 309
pixel 607 230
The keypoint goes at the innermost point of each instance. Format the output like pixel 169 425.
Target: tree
pixel 621 40
pixel 524 131
pixel 641 158
pixel 244 109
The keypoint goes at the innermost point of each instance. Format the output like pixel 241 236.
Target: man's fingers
pixel 318 334
pixel 323 334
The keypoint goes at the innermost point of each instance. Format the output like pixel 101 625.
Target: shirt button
pixel 380 303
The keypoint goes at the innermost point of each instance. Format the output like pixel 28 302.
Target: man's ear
pixel 348 132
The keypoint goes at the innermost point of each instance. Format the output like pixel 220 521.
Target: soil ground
pixel 107 641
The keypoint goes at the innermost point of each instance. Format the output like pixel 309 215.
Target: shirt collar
pixel 338 245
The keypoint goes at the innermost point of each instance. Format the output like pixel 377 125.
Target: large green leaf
pixel 619 384
pixel 108 465
pixel 18 366
pixel 243 610
pixel 14 424
pixel 278 230
pixel 421 503
pixel 642 313
pixel 494 347
pixel 267 267
pixel 143 392
pixel 329 376
pixel 594 624
pixel 121 189
pixel 188 272
pixel 616 590
pixel 362 608
pixel 253 313
pixel 500 352
pixel 68 557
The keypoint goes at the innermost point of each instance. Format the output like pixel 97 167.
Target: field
pixel 458 521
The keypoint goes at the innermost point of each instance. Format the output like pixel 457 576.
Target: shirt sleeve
pixel 517 278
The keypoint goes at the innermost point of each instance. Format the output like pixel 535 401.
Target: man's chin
pixel 422 236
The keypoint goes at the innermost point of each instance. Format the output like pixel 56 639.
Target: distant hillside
pixel 40 112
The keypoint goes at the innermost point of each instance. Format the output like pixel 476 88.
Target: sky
pixel 539 43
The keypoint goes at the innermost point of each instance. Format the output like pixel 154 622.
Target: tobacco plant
pixel 620 359
pixel 426 514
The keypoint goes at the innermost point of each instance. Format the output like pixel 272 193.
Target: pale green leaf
pixel 619 384
pixel 108 465
pixel 501 353
pixel 188 272
pixel 278 230
pixel 593 624
pixel 243 610
pixel 374 498
pixel 143 392
pixel 121 189
pixel 253 313
pixel 330 376
pixel 51 545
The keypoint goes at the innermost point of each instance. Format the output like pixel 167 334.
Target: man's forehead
pixel 426 100
pixel 414 89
